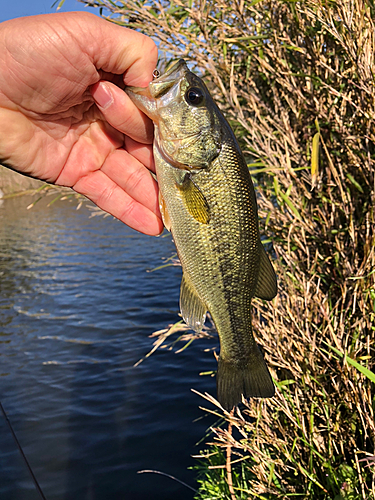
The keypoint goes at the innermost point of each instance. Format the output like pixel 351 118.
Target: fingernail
pixel 102 95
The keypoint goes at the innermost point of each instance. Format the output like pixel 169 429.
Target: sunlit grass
pixel 296 82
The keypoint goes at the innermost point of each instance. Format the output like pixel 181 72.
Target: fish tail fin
pixel 249 378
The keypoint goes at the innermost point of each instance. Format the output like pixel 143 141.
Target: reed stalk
pixel 296 81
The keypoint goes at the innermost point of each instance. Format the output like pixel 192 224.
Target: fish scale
pixel 208 203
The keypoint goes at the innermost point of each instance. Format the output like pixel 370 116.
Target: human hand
pixel 64 118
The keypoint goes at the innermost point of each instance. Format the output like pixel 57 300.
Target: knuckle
pixel 106 195
pixel 127 211
pixel 135 180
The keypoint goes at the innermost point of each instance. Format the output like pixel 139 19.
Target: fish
pixel 208 203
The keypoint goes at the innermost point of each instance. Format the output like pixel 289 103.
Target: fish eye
pixel 194 96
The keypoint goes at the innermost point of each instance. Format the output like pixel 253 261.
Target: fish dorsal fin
pixel 192 308
pixel 267 283
pixel 194 200
pixel 164 212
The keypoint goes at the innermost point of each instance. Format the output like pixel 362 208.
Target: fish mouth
pixel 146 97
pixel 161 85
pixel 174 67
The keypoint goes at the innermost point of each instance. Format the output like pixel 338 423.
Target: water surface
pixel 77 306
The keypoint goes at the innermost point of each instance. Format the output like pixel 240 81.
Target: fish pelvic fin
pixel 164 212
pixel 250 379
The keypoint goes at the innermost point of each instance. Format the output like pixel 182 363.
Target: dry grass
pixel 296 81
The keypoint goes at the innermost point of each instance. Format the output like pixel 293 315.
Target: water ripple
pixel 77 307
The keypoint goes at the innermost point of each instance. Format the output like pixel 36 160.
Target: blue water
pixel 77 306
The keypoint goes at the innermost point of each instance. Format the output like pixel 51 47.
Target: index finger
pixel 120 112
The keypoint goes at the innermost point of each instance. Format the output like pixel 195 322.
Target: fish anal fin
pixel 266 288
pixel 194 200
pixel 164 212
pixel 239 378
pixel 192 308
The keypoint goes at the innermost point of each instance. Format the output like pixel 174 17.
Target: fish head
pixel 188 128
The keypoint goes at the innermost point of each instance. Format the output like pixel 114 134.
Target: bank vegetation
pixel 296 81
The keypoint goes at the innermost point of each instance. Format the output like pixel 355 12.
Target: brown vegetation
pixel 296 81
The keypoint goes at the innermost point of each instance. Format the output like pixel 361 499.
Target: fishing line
pixel 167 475
pixel 22 453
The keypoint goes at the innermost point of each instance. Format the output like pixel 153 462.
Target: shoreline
pixel 15 184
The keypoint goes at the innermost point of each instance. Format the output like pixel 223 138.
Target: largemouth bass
pixel 208 202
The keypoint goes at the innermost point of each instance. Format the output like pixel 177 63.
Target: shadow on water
pixel 76 310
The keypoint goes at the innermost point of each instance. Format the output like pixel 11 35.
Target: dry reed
pixel 296 81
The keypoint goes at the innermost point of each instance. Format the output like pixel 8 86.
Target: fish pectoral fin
pixel 194 200
pixel 266 288
pixel 192 308
pixel 164 212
